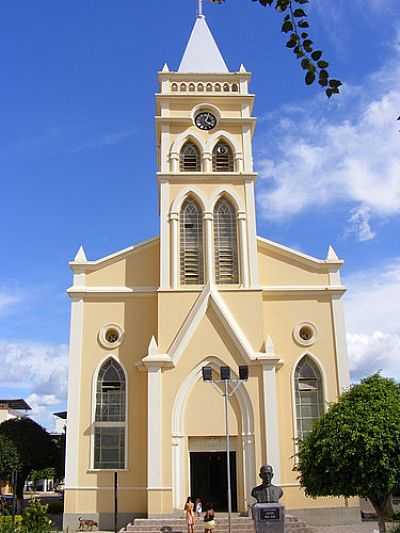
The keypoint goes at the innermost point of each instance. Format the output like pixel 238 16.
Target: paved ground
pixel 366 527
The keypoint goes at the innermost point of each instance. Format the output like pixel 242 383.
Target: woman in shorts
pixel 209 520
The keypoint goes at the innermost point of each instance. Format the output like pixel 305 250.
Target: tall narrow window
pixel 309 396
pixel 191 244
pixel 190 158
pixel 110 417
pixel 222 158
pixel 225 243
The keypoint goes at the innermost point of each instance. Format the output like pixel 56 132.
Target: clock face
pixel 205 121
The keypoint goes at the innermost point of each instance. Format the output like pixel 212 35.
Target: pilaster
pixel 74 394
pixel 270 393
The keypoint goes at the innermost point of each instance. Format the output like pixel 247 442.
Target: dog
pixel 87 525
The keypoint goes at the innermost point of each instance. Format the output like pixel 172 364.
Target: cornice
pixel 324 265
pixel 91 266
pixel 221 177
pixel 223 120
pixel 208 76
pixel 201 96
pixel 303 290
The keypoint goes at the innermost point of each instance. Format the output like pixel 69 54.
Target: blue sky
pixel 77 158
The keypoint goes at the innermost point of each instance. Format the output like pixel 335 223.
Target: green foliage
pixel 34 446
pixel 35 519
pixel 296 25
pixel 9 458
pixel 354 449
pixel 395 529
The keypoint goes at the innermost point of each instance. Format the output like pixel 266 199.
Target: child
pixel 199 507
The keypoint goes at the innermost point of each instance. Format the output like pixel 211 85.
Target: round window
pixel 111 336
pixel 305 333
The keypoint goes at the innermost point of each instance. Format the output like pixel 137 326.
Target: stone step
pixel 178 525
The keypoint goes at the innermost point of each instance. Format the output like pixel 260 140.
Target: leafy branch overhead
pixel 296 25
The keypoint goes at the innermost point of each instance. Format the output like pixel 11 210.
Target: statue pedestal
pixel 269 517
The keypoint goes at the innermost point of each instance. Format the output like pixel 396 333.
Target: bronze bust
pixel 266 492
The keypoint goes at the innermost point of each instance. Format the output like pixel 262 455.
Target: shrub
pixel 35 519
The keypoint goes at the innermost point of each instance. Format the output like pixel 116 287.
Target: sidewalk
pixel 366 527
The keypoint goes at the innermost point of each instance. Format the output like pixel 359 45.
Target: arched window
pixel 209 87
pixel 235 88
pixel 309 396
pixel 226 88
pixel 218 87
pixel 191 243
pixel 222 158
pixel 110 417
pixel 183 87
pixel 191 87
pixel 200 87
pixel 174 87
pixel 190 158
pixel 225 243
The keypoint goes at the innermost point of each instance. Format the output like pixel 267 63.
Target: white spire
pixel 331 256
pixel 81 255
pixel 202 53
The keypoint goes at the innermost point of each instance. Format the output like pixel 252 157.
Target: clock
pixel 205 121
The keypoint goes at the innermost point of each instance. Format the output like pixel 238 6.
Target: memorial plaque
pixel 269 518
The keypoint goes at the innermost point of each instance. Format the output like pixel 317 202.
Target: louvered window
pixel 309 396
pixel 222 158
pixel 110 417
pixel 190 158
pixel 191 244
pixel 225 243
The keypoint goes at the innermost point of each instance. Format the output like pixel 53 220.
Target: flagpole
pixel 200 9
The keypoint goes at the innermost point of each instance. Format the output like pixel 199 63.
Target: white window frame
pixel 95 424
pixel 203 265
pixel 324 389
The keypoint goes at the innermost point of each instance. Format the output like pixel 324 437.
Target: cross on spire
pixel 200 8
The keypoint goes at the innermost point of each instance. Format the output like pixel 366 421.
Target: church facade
pixel 207 292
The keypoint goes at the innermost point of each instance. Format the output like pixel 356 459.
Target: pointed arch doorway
pixel 184 444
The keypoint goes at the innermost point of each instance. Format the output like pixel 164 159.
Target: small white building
pixel 13 409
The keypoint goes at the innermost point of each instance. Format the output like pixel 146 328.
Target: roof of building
pixel 61 414
pixel 202 53
pixel 19 405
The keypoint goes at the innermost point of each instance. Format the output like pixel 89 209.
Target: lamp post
pixel 225 380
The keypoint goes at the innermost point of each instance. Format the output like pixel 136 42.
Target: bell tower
pixel 204 129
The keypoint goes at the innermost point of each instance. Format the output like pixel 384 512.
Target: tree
pixel 296 25
pixel 34 446
pixel 9 458
pixel 354 449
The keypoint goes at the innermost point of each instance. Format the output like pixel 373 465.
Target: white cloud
pixel 7 300
pixel 360 223
pixel 372 316
pixel 313 159
pixel 39 369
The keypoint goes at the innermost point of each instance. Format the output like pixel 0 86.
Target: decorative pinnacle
pixel 200 9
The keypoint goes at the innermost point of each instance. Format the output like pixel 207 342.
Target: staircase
pixel 178 525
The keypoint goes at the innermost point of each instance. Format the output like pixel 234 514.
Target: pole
pixel 228 456
pixel 14 500
pixel 115 502
pixel 200 9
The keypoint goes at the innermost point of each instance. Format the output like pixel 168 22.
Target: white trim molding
pixel 325 392
pixel 74 393
pixel 179 437
pixel 342 358
pixel 93 412
pixel 154 427
pixel 271 419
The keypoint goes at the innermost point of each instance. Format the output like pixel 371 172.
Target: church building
pixel 207 292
